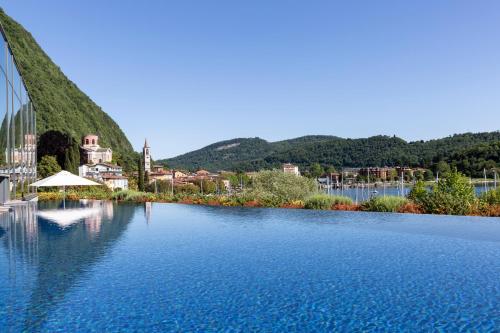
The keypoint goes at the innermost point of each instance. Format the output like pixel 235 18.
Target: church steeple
pixel 146 151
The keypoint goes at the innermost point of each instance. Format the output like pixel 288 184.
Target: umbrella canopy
pixel 64 178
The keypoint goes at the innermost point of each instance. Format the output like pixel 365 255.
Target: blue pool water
pixel 166 267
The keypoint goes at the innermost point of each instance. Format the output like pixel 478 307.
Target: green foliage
pixel 48 166
pixel 474 160
pixel 186 189
pixel 135 196
pixel 237 179
pixel 452 195
pixel 316 170
pixel 385 204
pixel 419 193
pixel 442 168
pixel 59 104
pixel 275 187
pixel 325 201
pixel 330 151
pixel 72 158
pixel 140 175
pixel 491 197
pixel 206 186
pixel 428 175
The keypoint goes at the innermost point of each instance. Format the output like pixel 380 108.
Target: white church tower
pixel 147 157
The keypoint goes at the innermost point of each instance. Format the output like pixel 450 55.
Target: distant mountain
pixel 255 153
pixel 60 105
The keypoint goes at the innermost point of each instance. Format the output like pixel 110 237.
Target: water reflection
pixel 60 246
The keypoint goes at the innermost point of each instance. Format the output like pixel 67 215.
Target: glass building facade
pixel 18 139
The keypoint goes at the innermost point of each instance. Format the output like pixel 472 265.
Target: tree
pixel 443 168
pixel 316 170
pixel 454 195
pixel 140 175
pixel 428 175
pixel 330 169
pixel 72 158
pixel 419 175
pixel 48 166
pixel 276 187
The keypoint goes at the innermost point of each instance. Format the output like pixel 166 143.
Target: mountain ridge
pixel 249 154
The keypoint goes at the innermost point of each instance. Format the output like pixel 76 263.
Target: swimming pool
pixel 170 267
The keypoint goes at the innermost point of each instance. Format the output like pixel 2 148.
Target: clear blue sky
pixel 185 73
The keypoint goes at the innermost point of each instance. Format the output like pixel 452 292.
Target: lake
pixel 102 266
pixel 362 194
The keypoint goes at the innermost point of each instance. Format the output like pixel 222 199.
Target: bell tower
pixel 146 151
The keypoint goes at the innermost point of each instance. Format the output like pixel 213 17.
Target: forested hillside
pixel 470 152
pixel 60 105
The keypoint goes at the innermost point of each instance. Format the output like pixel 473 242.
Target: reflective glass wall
pixel 18 128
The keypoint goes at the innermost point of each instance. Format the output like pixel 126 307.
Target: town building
pixel 202 173
pixel 290 168
pixel 92 151
pixel 115 182
pixel 146 151
pixel 375 172
pixel 163 175
pixel 109 174
pixel 179 174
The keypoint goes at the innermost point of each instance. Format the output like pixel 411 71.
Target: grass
pixel 385 204
pixel 325 201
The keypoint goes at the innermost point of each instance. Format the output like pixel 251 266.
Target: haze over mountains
pixel 256 153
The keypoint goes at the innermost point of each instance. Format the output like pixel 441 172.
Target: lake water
pixel 362 194
pixel 167 267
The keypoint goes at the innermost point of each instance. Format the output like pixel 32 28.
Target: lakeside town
pixel 97 165
pixel 384 189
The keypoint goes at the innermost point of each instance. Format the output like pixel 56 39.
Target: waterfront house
pixel 107 173
pixel 375 172
pixel 115 182
pixel 160 175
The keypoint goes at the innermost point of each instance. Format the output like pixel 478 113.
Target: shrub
pixel 452 195
pixel 411 208
pixel 491 197
pixel 341 200
pixel 297 204
pixel 319 201
pixel 385 204
pixel 325 201
pixel 419 193
pixel 491 210
pixel 136 196
pixel 347 207
pixel 50 196
pixel 274 188
pixel 186 189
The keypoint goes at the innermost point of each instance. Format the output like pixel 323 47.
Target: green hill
pixel 60 105
pixel 255 153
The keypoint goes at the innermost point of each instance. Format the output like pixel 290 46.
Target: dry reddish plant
pixel 411 208
pixel 346 207
pixel 252 203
